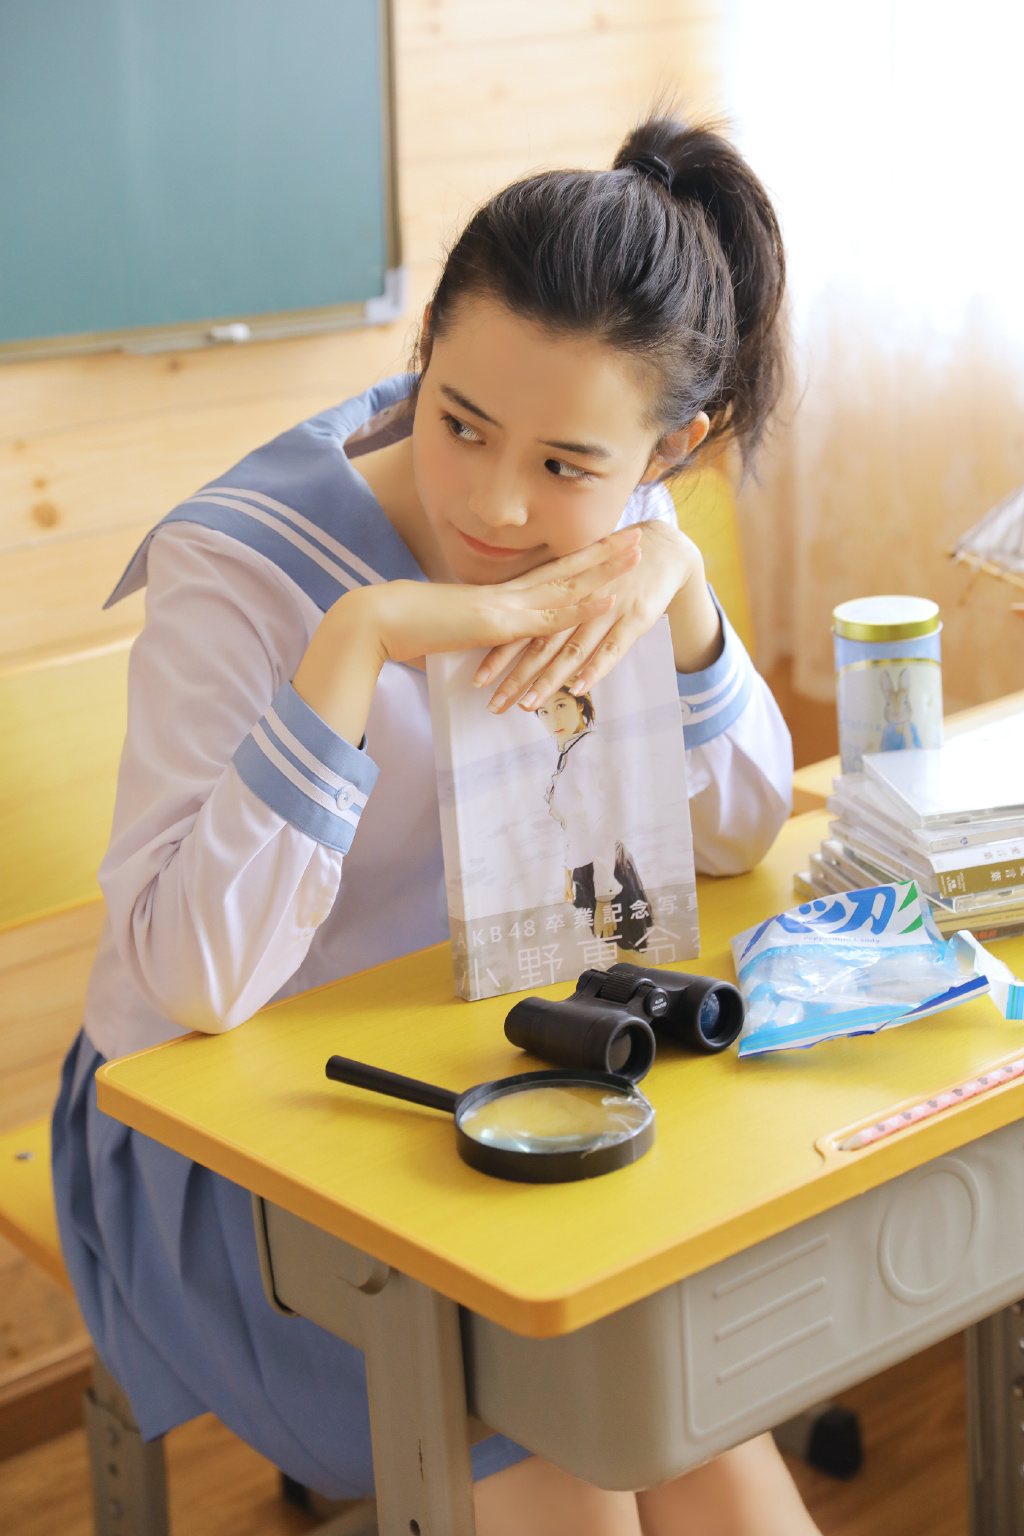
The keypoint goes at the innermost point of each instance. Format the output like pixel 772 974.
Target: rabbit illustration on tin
pixel 900 730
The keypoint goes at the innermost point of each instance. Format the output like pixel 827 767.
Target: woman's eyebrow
pixel 585 450
pixel 467 405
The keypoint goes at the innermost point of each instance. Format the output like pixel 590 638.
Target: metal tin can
pixel 888 676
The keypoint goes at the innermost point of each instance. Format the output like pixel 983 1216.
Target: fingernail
pixel 481 677
pixel 497 703
pixel 577 687
pixel 528 699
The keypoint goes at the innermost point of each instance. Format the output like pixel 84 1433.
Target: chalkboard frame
pixel 232 329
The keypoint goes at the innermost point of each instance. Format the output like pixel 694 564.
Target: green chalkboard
pixel 169 166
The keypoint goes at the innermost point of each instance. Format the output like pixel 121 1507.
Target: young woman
pixel 276 823
pixel 600 875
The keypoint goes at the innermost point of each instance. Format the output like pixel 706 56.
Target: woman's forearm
pixel 697 638
pixel 338 674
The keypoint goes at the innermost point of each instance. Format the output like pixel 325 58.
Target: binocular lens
pixel 710 1012
pixel 703 1013
pixel 720 1016
pixel 598 1036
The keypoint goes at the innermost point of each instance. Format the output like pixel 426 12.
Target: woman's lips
pixel 491 551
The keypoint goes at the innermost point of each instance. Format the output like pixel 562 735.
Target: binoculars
pixel 608 1023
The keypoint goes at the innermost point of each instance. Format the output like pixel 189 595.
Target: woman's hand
pixel 669 579
pixel 570 888
pixel 403 620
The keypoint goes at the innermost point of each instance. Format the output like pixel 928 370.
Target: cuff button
pixel 345 797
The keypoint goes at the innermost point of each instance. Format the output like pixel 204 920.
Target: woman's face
pixel 526 445
pixel 562 716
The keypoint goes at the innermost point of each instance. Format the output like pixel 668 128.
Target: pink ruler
pixel 929 1107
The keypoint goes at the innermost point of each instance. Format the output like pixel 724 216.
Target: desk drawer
pixel 663 1385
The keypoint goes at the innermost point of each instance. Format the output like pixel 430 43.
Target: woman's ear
pixel 676 447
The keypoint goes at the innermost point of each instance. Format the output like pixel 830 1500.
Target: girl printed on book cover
pixel 601 878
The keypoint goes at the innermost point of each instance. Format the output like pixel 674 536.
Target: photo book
pixel 566 829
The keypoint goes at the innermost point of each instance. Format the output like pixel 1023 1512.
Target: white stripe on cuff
pixel 718 688
pixel 692 716
pixel 292 742
pixel 292 774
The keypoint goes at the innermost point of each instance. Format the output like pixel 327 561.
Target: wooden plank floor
pixel 913 1482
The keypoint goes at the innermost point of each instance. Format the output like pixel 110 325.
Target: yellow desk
pixel 739 1272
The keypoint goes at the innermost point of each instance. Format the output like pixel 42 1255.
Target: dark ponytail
pixel 673 256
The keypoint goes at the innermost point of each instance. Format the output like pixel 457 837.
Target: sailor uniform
pixel 255 854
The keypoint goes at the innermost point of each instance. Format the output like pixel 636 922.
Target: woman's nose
pixel 498 503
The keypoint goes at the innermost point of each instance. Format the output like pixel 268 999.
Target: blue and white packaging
pixel 851 964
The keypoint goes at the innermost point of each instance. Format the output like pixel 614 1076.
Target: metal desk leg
pixel 995 1423
pixel 418 1414
pixel 415 1375
pixel 129 1488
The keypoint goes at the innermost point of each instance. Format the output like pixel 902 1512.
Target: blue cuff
pixel 713 699
pixel 298 766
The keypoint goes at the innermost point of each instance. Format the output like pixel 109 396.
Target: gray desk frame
pixel 663 1385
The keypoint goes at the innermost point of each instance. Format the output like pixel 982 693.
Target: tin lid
pixel 885 618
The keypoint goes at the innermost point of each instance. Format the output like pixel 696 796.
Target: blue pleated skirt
pixel 162 1256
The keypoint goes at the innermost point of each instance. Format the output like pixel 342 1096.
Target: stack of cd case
pixel 951 818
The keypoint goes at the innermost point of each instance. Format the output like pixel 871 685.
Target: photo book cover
pixel 566 829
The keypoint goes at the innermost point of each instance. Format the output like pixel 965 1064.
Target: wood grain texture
pixel 216 1487
pixel 253 1105
pixel 45 1400
pixel 914 1480
pixel 554 97
pixel 28 1216
pixel 64 729
pixel 914 1427
pixel 425 25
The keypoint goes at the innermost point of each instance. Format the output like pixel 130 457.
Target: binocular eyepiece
pixel 606 1025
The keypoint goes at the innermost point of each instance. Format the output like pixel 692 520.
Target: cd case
pixel 566 830
pixel 977 776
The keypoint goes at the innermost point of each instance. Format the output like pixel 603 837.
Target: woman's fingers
pixel 532 661
pixel 580 560
pixel 544 667
pixel 612 648
pixel 561 584
pixel 498 658
pixel 532 656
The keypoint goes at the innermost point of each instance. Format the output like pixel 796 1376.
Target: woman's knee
pixel 536 1498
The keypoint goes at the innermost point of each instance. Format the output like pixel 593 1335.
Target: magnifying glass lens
pixel 557 1118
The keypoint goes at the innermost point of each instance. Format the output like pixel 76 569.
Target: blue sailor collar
pixel 299 501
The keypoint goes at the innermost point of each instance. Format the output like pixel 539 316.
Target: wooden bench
pixel 64 725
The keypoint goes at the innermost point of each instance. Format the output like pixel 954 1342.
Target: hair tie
pixel 654 166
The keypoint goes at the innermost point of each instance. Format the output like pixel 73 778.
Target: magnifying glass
pixel 536 1128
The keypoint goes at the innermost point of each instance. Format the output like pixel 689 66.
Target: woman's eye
pixel 461 430
pixel 563 471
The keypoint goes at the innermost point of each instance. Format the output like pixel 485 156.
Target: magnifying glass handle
pixel 358 1075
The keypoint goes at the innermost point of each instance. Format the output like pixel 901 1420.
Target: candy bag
pixel 851 964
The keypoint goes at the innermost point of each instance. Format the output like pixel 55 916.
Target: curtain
pixel 890 134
